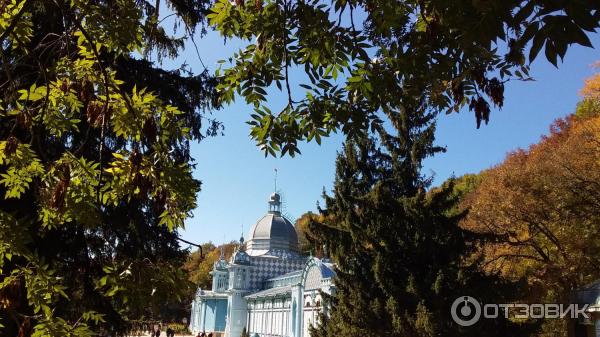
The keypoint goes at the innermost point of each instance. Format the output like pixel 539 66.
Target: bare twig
pixel 285 53
pixel 189 31
pixel 107 96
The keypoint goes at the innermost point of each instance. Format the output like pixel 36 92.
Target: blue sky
pixel 237 178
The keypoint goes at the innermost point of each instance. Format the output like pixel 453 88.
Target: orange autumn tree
pixel 545 202
pixel 590 93
pixel 308 241
pixel 199 266
pixel 591 89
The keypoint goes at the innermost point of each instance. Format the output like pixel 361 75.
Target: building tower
pixel 220 281
pixel 239 280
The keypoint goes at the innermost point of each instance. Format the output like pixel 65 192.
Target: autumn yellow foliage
pixel 543 203
pixel 199 265
pixel 591 88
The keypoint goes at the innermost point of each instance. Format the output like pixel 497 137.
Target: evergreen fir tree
pixel 402 257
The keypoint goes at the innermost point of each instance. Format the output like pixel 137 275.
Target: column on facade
pixel 203 316
pixel 271 318
pixel 297 309
pixel 238 315
pixel 192 326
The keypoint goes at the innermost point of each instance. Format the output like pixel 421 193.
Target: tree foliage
pixel 199 267
pixel 95 170
pixel 309 242
pixel 590 93
pixel 402 257
pixel 544 204
pixel 361 57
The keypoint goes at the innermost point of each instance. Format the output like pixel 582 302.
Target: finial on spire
pixel 242 236
pixel 275 199
pixel 275 203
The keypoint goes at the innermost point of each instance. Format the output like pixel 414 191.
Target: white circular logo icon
pixel 465 311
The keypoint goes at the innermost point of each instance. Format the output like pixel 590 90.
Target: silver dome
pixel 272 231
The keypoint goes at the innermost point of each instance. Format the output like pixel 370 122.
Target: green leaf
pixel 538 43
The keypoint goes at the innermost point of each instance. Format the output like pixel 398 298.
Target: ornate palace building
pixel 267 287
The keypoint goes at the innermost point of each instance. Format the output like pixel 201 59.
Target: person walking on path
pixel 156 330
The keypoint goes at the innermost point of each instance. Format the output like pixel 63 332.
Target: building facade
pixel 266 287
pixel 590 327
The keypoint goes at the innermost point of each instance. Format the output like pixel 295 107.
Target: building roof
pixel 318 273
pixel 327 269
pixel 272 231
pixel 240 257
pixel 274 225
pixel 271 292
pixel 287 275
pixel 210 294
pixel 220 264
pixel 589 294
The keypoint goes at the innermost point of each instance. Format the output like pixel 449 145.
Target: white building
pixel 266 287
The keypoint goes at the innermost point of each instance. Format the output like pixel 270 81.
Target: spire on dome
pixel 242 247
pixel 275 199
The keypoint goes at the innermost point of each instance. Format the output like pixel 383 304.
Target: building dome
pixel 273 231
pixel 240 257
pixel 220 265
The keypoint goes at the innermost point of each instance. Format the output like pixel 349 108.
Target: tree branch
pixel 192 244
pixel 105 108
pixel 285 53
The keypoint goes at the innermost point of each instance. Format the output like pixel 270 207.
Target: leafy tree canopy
pixel 541 203
pixel 199 267
pixel 544 204
pixel 95 169
pixel 363 57
pixel 590 93
pixel 308 241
